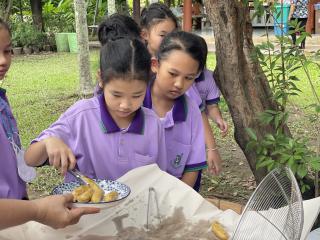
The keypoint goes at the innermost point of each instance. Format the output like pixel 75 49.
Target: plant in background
pixel 280 61
pixel 16 40
pixel 59 17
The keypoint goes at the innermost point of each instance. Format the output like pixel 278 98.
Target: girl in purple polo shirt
pixel 210 94
pixel 156 22
pixel 179 61
pixel 110 134
pixel 11 184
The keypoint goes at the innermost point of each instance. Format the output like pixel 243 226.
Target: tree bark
pixel 5 9
pixel 167 2
pixel 240 79
pixel 111 7
pixel 136 11
pixel 36 9
pixel 86 85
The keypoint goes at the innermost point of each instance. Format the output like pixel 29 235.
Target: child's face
pixel 124 97
pixel 5 52
pixel 156 33
pixel 175 74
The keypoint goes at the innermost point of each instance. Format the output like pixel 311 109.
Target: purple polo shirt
pixel 11 185
pixel 102 149
pixel 184 136
pixel 205 87
pixel 194 95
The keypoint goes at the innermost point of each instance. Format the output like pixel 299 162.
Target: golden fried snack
pixel 97 191
pixel 86 196
pixel 78 191
pixel 219 231
pixel 97 194
pixel 111 196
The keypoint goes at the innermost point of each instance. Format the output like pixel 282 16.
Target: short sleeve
pixel 60 129
pixel 194 95
pixel 213 92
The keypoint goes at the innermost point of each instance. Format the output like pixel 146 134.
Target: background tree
pixel 111 7
pixel 86 86
pixel 167 2
pixel 136 10
pixel 240 78
pixel 36 10
pixel 5 9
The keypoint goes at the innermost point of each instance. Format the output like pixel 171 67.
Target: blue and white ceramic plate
pixel 107 185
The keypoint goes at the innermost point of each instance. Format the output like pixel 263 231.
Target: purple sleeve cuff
pixel 195 167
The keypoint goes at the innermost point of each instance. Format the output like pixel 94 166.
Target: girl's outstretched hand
pixel 214 161
pixel 56 211
pixel 223 126
pixel 59 154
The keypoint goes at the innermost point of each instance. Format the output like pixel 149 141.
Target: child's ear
pixel 154 65
pixel 99 79
pixel 144 34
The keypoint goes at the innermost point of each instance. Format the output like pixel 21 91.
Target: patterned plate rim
pixel 88 203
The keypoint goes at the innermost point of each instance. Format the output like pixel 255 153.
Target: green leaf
pixel 251 134
pixel 291 162
pixel 271 166
pixel 302 171
pixel 269 137
pixel 304 187
pixel 315 164
pixel 265 163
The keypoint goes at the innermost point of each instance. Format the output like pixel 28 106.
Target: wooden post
pixel 187 15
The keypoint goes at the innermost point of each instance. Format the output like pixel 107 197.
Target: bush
pixel 27 35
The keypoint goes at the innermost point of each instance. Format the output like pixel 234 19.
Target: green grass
pixel 40 88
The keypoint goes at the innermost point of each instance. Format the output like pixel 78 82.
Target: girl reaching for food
pixel 110 134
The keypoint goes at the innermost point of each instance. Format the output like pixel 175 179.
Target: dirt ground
pixel 236 181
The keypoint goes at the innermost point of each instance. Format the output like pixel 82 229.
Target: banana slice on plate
pixel 97 191
pixel 219 231
pixel 111 196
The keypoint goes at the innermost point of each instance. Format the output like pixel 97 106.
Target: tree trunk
pixel 111 7
pixel 5 9
pixel 36 9
pixel 86 86
pixel 240 79
pixel 167 2
pixel 136 11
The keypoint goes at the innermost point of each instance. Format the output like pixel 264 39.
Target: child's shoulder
pixel 83 106
pixel 208 75
pixel 150 114
pixel 191 105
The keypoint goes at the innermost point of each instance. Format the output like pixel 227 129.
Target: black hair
pixel 184 41
pixel 5 25
pixel 155 13
pixel 204 46
pixel 117 25
pixel 125 58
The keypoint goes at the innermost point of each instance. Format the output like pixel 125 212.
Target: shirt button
pixel 121 142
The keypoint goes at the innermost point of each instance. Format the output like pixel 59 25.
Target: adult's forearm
pixel 15 212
